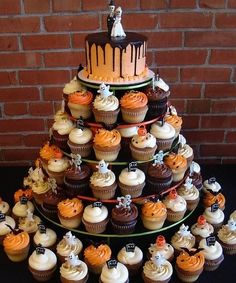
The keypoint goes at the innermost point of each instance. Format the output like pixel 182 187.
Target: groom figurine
pixel 111 17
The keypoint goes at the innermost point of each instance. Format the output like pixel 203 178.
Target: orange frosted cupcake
pixel 178 164
pixel 212 197
pixel 70 212
pixel 96 257
pixel 153 215
pixel 48 152
pixel 134 106
pixel 189 265
pixel 16 246
pixel 106 144
pixel 79 104
pixel 23 193
pixel 175 121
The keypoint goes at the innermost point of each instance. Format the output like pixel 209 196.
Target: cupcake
pixel 71 87
pixel 233 215
pixel 161 247
pixel 176 206
pixel 47 152
pixel 182 239
pixel 159 176
pixel 79 104
pixel 186 151
pixel 29 223
pixel 22 193
pixel 164 134
pixel 124 216
pixel 157 269
pixel 56 169
pixel 195 175
pixel 76 177
pixel 201 229
pixel 190 193
pixel 81 141
pixel 45 237
pixel 103 182
pixel 70 212
pixel 131 181
pixel 95 218
pixel 96 257
pixel 7 223
pixel 212 252
pixel 4 207
pixel 105 106
pixel 126 137
pixel 73 270
pixel 114 271
pixel 67 245
pixel 153 215
pixel 132 257
pixel 106 144
pixel 157 95
pixel 143 145
pixel 133 106
pixel 211 197
pixel 40 188
pixel 16 245
pixel 189 265
pixel 211 185
pixel 175 121
pixel 178 164
pixel 42 264
pixel 21 207
pixel 227 237
pixel 214 216
pixel 34 175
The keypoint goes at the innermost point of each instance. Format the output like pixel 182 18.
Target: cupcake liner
pixel 51 213
pixel 126 228
pixel 217 226
pixel 95 228
pixel 84 150
pixel 60 140
pixel 192 204
pixel 228 249
pixel 79 110
pixel 136 115
pixel 134 191
pixel 188 276
pixel 164 144
pixel 178 174
pixel 159 186
pixel 74 189
pixel 148 280
pixel 106 154
pixel 107 117
pixel 157 108
pixel 153 223
pixel 72 222
pixel 39 198
pixel 211 265
pixel 58 176
pixel 18 255
pixel 94 269
pixel 142 154
pixel 104 192
pixel 43 275
pixel 174 216
pixel 134 268
pixel 84 280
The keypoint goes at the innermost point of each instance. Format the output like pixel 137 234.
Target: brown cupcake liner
pixel 211 265
pixel 39 198
pixel 192 204
pixel 107 117
pixel 173 216
pixel 142 154
pixel 79 110
pixel 126 228
pixel 158 187
pixel 134 268
pixel 84 150
pixel 44 275
pixel 149 280
pixel 60 140
pixel 164 144
pixel 58 176
pixel 228 249
pixel 84 280
pixel 72 190
pixel 217 226
pixel 95 228
pixel 104 192
pixel 188 276
pixel 94 269
pixel 136 115
pixel 50 213
pixel 134 191
pixel 106 154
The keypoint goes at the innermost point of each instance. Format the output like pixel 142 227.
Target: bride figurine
pixel 117 29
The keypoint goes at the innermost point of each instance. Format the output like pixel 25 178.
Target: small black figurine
pixel 111 17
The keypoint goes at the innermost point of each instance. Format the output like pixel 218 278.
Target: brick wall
pixel 192 42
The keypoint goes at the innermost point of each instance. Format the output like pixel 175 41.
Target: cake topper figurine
pixel 111 17
pixel 117 29
pixel 231 225
pixel 103 167
pixel 182 140
pixel 194 167
pixel 76 160
pixel 188 183
pixel 159 82
pixel 183 231
pixel 52 184
pixel 70 239
pixel 158 158
pixel 104 90
pixel 158 259
pixel 30 216
pixel 124 201
pixel 73 260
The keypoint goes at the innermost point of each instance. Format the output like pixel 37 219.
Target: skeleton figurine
pixel 111 17
pixel 70 239
pixel 117 29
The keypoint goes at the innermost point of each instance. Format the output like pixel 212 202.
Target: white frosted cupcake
pixel 5 222
pixel 202 229
pixel 29 223
pixel 110 273
pixel 56 169
pixel 34 175
pixel 126 136
pixel 21 207
pixel 233 215
pixel 187 152
pixel 227 237
pixel 71 87
pixel 160 246
pixel 46 237
pixel 214 217
pixel 39 189
pixel 211 185
pixel 4 207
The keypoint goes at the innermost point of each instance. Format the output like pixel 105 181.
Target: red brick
pixel 223 57
pixel 53 41
pixel 71 23
pixel 203 136
pixel 52 93
pixel 15 109
pixel 198 106
pixel 218 150
pixel 35 6
pixel 19 25
pixel 185 90
pixel 66 6
pixel 8 43
pixel 208 160
pixel 16 163
pixel 20 154
pixel 209 4
pixel 205 74
pixel 218 122
pixel 8 7
pixel 179 104
pixel 21 125
pixel 43 77
pixel 164 39
pixel 210 38
pixel 231 3
pixel 17 60
pixel 8 78
pixel 78 40
pixel 170 74
pixel 182 4
pixel 65 59
pixel 220 90
pixel 231 136
pixel 224 106
pixel 98 5
pixel 19 94
pixel 10 140
pixel 149 58
pixel 35 139
pixel 185 20
pixel 225 20
pixel 41 108
pixel 190 122
pixel 181 57
pixel 153 4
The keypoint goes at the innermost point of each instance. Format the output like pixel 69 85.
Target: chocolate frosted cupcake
pixel 124 216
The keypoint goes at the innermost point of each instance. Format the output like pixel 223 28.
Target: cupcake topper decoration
pixel 158 259
pixel 183 231
pixel 2 217
pixel 215 206
pixel 188 183
pixel 124 201
pixel 29 216
pixel 52 184
pixel 231 225
pixel 130 247
pixel 211 180
pixel 160 241
pixel 42 228
pixel 112 263
pixel 97 204
pixel 80 123
pixel 73 260
pixel 117 29
pixel 70 239
pixel 76 160
pixel 103 167
pixel 210 240
pixel 182 140
pixel 173 194
pixel 194 167
pixel 104 90
pixel 160 83
pixel 158 158
pixel 132 166
pixel 172 110
pixel 201 220
pixel 191 252
pixel 142 131
pixel 23 200
pixel 40 250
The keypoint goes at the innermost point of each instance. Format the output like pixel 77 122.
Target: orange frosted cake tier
pixel 116 60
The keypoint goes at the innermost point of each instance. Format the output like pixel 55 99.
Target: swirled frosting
pixel 132 178
pixel 153 209
pixel 47 151
pixel 28 225
pixel 74 273
pixel 133 99
pixel 159 171
pixel 105 138
pixel 121 214
pixel 14 242
pixel 77 174
pixel 133 257
pixel 4 206
pixel 203 230
pixel 144 141
pixel 190 262
pixel 4 229
pixel 70 207
pixel 83 97
pixel 42 262
pixel 166 250
pixel 97 255
pixel 58 165
pixel 226 235
pixel 119 274
pixel 20 210
pixel 174 120
pixel 186 151
pixel 79 136
pixel 95 214
pixel 175 161
pixel 64 248
pixel 178 240
pixel 128 132
pixel 177 204
pixel 103 180
pixel 109 103
pixel 19 193
pixel 188 193
pixel 211 252
pixel 72 86
pixel 40 187
pixel 212 186
pixel 63 126
pixel 210 199
pixel 45 239
pixel 233 215
pixel 157 273
pixel 215 217
pixel 165 131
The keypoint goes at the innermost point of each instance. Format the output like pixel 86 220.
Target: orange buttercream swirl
pixel 190 262
pixel 16 241
pixel 70 207
pixel 105 138
pixel 49 151
pixel 175 161
pixel 19 193
pixel 133 99
pixel 81 97
pixel 210 199
pixel 174 120
pixel 153 209
pixel 97 255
